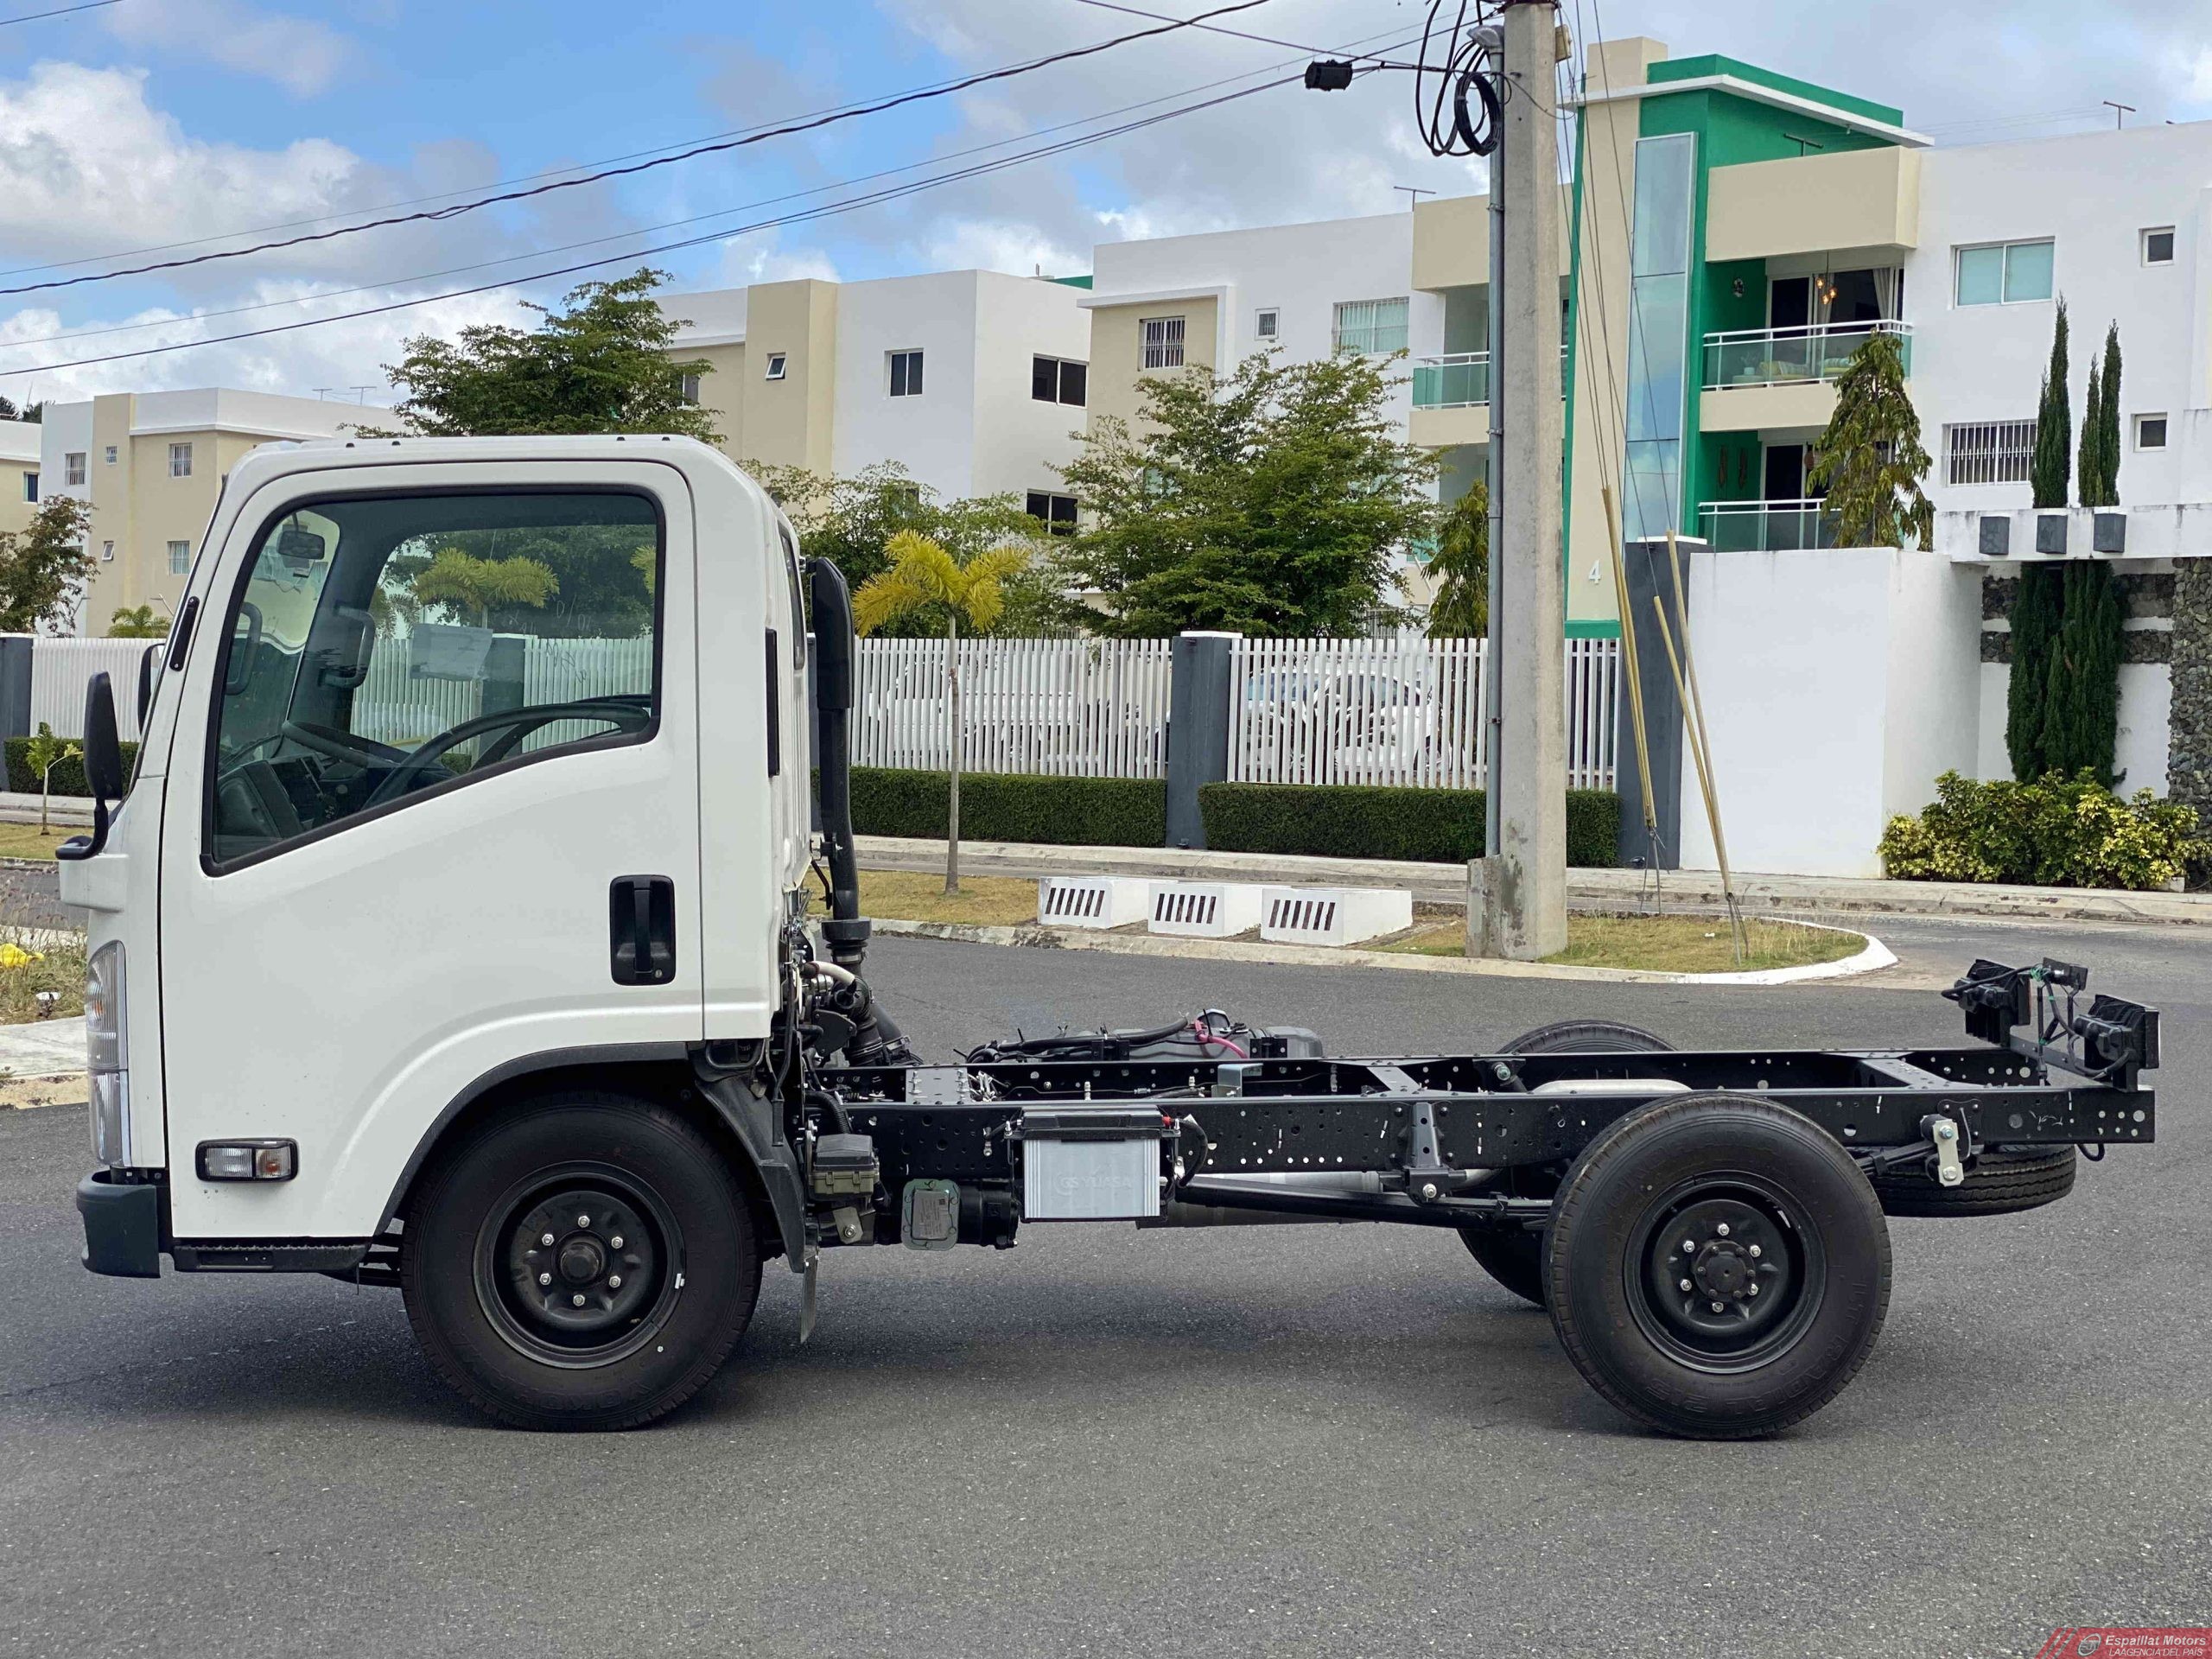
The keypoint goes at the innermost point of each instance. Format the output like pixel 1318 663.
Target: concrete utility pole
pixel 1519 890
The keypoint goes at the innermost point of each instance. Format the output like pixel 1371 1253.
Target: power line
pixel 60 11
pixel 825 211
pixel 648 229
pixel 808 124
pixel 1238 34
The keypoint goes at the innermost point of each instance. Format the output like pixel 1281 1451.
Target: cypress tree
pixel 2081 726
pixel 2089 468
pixel 2109 479
pixel 2054 450
pixel 2040 607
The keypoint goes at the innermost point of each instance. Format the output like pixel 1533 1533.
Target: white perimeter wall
pixel 1301 271
pixel 1837 685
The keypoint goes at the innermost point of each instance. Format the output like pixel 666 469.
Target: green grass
pixel 919 896
pixel 35 962
pixel 1672 945
pixel 24 841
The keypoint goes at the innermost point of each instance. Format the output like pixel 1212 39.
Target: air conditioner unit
pixel 1204 910
pixel 1092 900
pixel 1333 915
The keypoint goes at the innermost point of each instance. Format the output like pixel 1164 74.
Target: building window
pixel 1372 327
pixel 1057 511
pixel 1163 342
pixel 73 467
pixel 777 363
pixel 687 389
pixel 108 455
pixel 905 374
pixel 1270 324
pixel 2159 245
pixel 2150 431
pixel 180 558
pixel 180 461
pixel 1989 452
pixel 30 486
pixel 2003 273
pixel 1055 380
pixel 107 552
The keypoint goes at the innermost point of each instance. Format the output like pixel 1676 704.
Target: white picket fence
pixel 1067 708
pixel 397 704
pixel 61 669
pixel 1396 712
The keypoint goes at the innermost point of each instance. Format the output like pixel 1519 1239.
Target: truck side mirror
pixel 103 766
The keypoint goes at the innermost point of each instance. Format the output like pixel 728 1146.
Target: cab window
pixel 385 645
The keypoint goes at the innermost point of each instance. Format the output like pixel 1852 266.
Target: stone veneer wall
pixel 2189 761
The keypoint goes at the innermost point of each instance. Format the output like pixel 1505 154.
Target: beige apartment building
pixel 150 466
pixel 19 470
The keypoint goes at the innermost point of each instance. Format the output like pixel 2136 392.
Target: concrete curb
pixel 1876 956
pixel 1588 889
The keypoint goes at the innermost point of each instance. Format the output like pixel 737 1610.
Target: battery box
pixel 1091 1163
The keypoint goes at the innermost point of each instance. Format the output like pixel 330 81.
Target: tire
pixel 1679 1172
pixel 2000 1182
pixel 1516 1260
pixel 1588 1037
pixel 652 1280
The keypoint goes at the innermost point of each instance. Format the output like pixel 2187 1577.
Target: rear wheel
pixel 2000 1182
pixel 1719 1266
pixel 587 1261
pixel 1515 1258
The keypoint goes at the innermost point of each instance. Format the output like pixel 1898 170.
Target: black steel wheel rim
pixel 579 1265
pixel 1724 1273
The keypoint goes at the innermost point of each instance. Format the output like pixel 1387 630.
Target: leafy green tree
pixel 138 622
pixel 1869 463
pixel 476 587
pixel 851 520
pixel 1269 501
pixel 1459 608
pixel 44 567
pixel 43 754
pixel 598 363
pixel 924 578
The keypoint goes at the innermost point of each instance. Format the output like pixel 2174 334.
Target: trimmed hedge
pixel 1004 806
pixel 1430 826
pixel 68 775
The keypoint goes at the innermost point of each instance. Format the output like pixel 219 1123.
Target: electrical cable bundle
pixel 1454 64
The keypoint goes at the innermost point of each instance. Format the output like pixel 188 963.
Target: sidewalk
pixel 70 810
pixel 1592 889
pixel 50 1048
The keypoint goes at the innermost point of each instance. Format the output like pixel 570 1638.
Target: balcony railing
pixel 1785 357
pixel 1458 381
pixel 1767 526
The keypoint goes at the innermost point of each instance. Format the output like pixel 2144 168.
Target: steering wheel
pixel 626 715
pixel 327 741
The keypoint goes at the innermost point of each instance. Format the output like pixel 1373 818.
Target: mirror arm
pixel 77 847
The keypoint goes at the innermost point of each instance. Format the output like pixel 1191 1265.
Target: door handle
pixel 641 929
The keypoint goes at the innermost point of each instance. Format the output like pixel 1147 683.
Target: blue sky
pixel 165 121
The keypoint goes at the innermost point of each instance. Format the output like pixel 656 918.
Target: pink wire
pixel 1206 1036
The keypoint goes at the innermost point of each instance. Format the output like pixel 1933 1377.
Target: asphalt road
pixel 1266 1440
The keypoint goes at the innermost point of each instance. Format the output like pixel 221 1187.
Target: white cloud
pixel 300 55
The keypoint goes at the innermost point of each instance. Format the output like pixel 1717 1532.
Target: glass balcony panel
pixel 1458 381
pixel 1767 526
pixel 1782 357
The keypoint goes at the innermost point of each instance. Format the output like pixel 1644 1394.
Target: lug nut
pixel 1717 1307
pixel 585 1220
pixel 1686 1284
pixel 1429 1189
pixel 546 1239
pixel 1752 1291
pixel 1755 1252
pixel 616 1243
pixel 1689 1247
pixel 614 1281
pixel 579 1301
pixel 544 1278
pixel 1722 1230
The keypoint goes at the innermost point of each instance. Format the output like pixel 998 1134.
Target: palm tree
pixel 923 579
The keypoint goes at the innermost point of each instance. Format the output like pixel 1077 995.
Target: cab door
pixel 432 816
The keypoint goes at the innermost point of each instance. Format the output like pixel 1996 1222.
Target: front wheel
pixel 586 1261
pixel 1719 1266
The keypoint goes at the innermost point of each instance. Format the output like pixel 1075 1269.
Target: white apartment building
pixel 973 381
pixel 19 473
pixel 150 464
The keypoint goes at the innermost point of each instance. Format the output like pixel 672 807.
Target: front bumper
pixel 122 1225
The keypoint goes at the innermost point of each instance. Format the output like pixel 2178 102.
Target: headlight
pixel 107 1058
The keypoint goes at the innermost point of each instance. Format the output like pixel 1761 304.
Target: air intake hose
pixel 846 930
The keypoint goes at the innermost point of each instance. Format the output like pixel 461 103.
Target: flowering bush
pixel 2057 832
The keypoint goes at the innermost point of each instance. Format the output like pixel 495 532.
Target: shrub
pixel 1004 806
pixel 2057 832
pixel 1433 826
pixel 68 775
